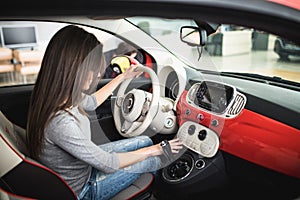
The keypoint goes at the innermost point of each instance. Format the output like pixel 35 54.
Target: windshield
pixel 231 49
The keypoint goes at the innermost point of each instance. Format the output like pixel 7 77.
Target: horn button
pixel 128 103
pixel 133 105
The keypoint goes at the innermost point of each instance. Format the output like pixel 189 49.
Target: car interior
pixel 239 125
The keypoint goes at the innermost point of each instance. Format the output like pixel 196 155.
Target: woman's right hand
pixel 175 144
pixel 129 158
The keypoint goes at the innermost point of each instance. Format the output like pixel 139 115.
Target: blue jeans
pixel 104 186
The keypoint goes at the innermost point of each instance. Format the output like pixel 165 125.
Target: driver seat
pixel 23 177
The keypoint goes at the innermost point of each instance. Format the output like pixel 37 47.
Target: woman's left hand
pixel 132 72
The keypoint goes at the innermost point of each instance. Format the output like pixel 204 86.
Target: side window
pixel 23 44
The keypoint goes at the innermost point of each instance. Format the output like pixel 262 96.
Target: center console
pixel 190 174
pixel 200 167
pixel 201 143
pixel 199 138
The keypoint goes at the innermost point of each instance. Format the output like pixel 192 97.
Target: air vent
pixel 237 106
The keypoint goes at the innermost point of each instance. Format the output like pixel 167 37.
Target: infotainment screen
pixel 213 96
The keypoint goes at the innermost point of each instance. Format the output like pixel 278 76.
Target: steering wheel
pixel 137 108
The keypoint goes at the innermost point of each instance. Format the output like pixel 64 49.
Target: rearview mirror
pixel 193 36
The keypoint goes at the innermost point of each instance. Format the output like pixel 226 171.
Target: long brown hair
pixel 70 55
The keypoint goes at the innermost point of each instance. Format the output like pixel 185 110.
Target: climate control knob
pixel 202 134
pixel 191 129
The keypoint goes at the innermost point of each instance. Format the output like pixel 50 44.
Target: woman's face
pixel 88 82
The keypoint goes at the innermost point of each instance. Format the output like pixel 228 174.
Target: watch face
pixel 164 143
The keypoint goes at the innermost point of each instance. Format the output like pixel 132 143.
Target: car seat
pixel 23 177
pixel 4 195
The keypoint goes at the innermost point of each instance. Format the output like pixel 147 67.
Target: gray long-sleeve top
pixel 69 150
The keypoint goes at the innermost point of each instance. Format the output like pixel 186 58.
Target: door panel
pixel 14 102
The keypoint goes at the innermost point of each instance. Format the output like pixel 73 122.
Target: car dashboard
pixel 203 99
pixel 218 118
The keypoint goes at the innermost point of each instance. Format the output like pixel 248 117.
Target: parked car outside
pixel 285 48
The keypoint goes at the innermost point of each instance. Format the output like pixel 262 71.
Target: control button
pixel 191 129
pixel 196 147
pixel 202 134
pixel 193 145
pixel 200 164
pixel 200 117
pixel 214 122
pixel 169 123
pixel 188 112
pixel 205 148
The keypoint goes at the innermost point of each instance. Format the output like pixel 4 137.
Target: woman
pixel 58 130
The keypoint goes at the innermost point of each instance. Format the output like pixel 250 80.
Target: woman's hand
pixel 132 72
pixel 175 144
pixel 129 158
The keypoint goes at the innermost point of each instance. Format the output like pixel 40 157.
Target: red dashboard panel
pixel 250 136
pixel 289 3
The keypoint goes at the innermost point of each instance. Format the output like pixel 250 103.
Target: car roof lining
pixel 262 15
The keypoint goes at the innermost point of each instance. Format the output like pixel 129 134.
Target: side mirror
pixel 193 36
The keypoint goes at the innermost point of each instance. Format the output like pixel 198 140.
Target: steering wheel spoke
pixel 128 127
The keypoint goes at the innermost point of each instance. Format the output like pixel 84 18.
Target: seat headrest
pixel 14 134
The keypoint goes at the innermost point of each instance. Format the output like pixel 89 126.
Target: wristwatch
pixel 167 151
